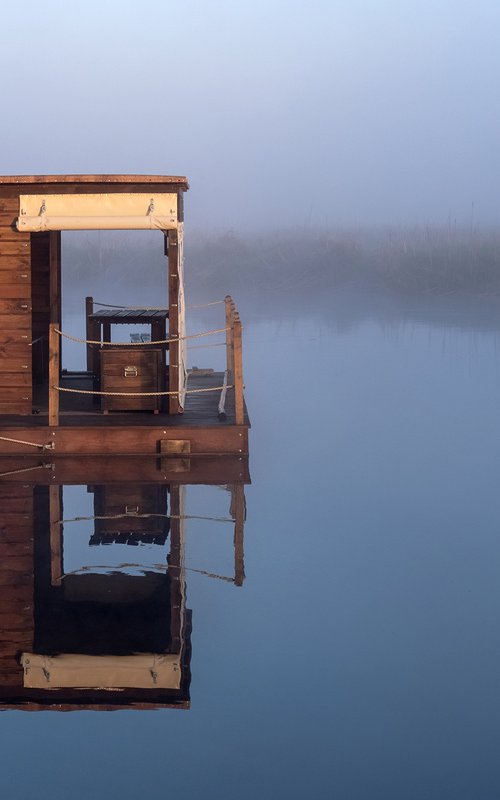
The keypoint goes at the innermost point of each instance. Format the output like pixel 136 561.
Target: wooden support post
pixel 56 531
pixel 174 406
pixel 54 371
pixel 238 514
pixel 229 338
pixel 55 276
pixel 238 371
pixel 55 321
pixel 175 570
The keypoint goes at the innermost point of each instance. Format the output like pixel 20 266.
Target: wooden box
pixel 130 514
pixel 131 369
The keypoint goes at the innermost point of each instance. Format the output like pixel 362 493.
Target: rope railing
pixel 203 346
pixel 101 343
pixel 48 446
pixel 139 394
pixel 133 515
pixel 234 372
pixel 22 470
pixel 129 308
pixel 155 308
pixel 145 568
pixel 206 305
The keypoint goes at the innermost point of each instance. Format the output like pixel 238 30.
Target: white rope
pixel 146 568
pixel 49 446
pixel 152 308
pixel 146 516
pixel 141 344
pixel 206 305
pixel 25 469
pixel 210 574
pixel 201 346
pixel 129 308
pixel 135 394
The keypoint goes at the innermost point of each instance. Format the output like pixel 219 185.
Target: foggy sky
pixel 279 112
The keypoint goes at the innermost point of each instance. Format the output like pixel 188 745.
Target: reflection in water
pixel 361 659
pixel 82 626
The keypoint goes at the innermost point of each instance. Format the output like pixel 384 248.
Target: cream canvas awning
pixel 114 211
pixel 75 671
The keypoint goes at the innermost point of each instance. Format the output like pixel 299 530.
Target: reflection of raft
pixel 102 637
pixel 194 413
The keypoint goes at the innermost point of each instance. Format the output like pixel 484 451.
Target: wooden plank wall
pixel 15 313
pixel 40 265
pixel 16 580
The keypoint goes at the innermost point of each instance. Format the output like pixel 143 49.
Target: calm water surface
pixel 360 659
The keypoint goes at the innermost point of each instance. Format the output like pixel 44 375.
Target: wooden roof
pixel 177 180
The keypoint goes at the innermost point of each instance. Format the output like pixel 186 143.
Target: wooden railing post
pixel 175 568
pixel 56 533
pixel 238 514
pixel 174 378
pixel 54 361
pixel 229 338
pixel 238 370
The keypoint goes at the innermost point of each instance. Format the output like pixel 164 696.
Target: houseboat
pixel 135 397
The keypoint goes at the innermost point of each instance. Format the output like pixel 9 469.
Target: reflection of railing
pixel 234 360
pixel 175 562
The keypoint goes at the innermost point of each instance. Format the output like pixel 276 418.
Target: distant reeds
pixel 411 261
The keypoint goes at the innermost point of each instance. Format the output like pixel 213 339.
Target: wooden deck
pixel 84 430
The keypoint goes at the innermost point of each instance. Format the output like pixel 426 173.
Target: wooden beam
pixel 54 370
pixel 238 512
pixel 229 307
pixel 55 516
pixel 103 439
pixel 174 406
pixel 55 276
pixel 175 571
pixel 180 180
pixel 238 371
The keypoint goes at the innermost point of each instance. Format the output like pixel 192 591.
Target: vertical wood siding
pixel 15 313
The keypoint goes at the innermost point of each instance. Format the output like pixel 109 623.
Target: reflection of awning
pixel 74 671
pixel 115 211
